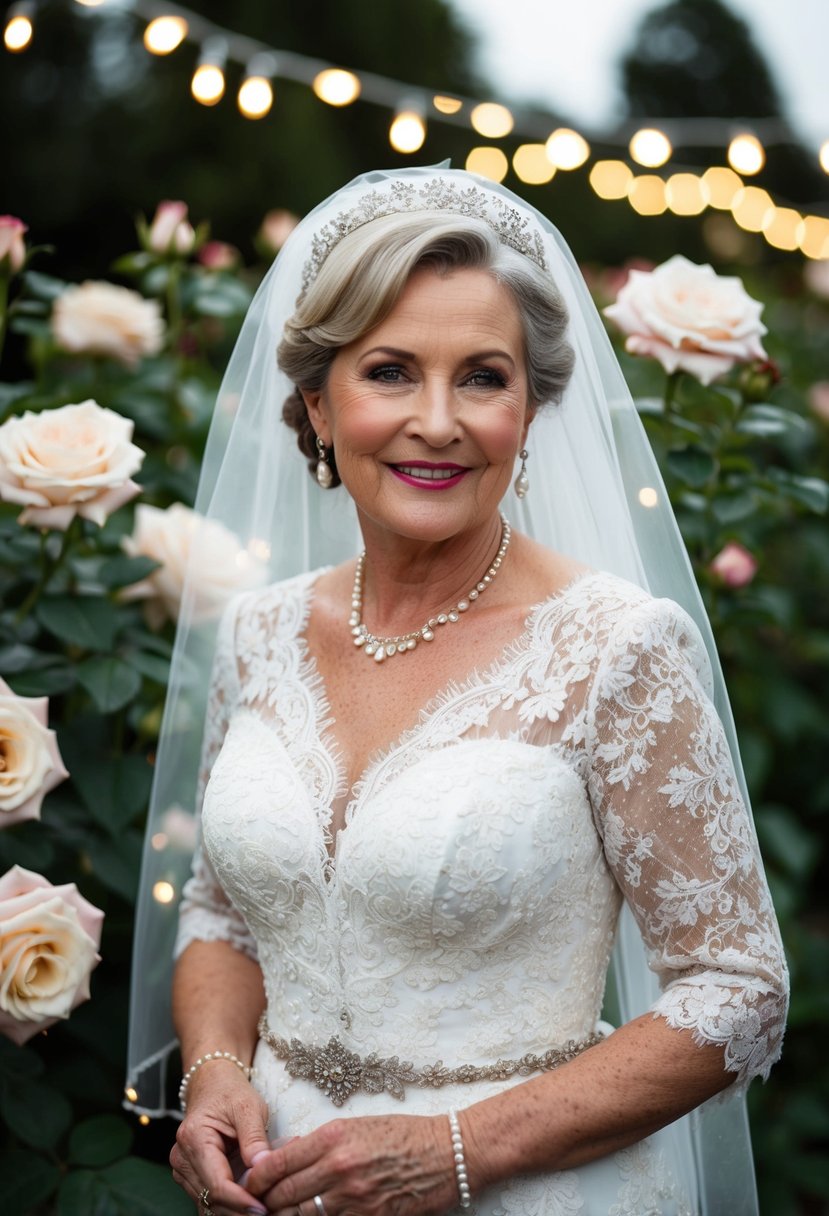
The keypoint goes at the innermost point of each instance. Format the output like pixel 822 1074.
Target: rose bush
pixel 30 763
pixel 103 319
pixel 76 460
pixel 49 938
pixel 689 318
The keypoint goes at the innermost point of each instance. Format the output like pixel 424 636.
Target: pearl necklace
pixel 383 648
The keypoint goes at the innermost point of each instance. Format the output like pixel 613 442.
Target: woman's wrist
pixel 210 1057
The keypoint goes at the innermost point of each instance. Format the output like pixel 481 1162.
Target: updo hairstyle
pixel 364 276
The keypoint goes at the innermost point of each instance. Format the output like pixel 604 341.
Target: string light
pixel 255 96
pixel 407 131
pixel 336 87
pixel 752 208
pixel 19 27
pixel 491 120
pixel 567 149
pixel 813 236
pixel 746 155
pixel 164 892
pixel 488 162
pixel 646 195
pixel 823 156
pixel 131 1094
pixel 164 34
pixel 648 496
pixel 611 178
pixel 782 228
pixel 723 185
pixel 447 105
pixel 532 165
pixel 144 1120
pixel 650 148
pixel 90 3
pixel 686 194
pixel 208 83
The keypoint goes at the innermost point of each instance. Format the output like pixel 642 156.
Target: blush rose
pixel 12 245
pixel 689 318
pixel 99 318
pixel 49 938
pixel 74 460
pixel 171 232
pixel 734 565
pixel 30 763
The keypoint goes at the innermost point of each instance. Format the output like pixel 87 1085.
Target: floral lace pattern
pixel 470 906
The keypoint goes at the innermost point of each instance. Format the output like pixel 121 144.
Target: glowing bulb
pixel 531 164
pixel 823 156
pixel 407 132
pixel 782 228
pixel 164 34
pixel 611 178
pixel 646 194
pixel 18 33
pixel 131 1094
pixel 813 236
pixel 336 87
pixel 722 185
pixel 255 96
pixel 686 194
pixel 567 149
pixel 90 3
pixel 208 84
pixel 488 162
pixel 491 120
pixel 650 148
pixel 648 497
pixel 143 1120
pixel 746 155
pixel 164 892
pixel 447 105
pixel 752 208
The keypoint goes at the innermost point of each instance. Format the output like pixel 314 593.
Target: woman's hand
pixel 225 1115
pixel 390 1165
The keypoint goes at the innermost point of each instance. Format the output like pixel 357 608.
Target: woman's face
pixel 427 412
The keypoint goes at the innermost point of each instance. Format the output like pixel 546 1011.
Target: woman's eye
pixel 389 373
pixel 486 377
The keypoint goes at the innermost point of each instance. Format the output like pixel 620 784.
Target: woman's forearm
pixel 218 997
pixel 642 1077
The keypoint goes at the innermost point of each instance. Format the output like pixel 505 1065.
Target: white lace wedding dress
pixel 469 909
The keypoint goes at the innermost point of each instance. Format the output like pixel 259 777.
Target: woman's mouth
pixel 429 476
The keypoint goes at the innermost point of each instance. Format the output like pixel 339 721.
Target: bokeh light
pixel 532 165
pixel 255 96
pixel 782 228
pixel 752 207
pixel 567 149
pixel 746 155
pixel 611 178
pixel 813 236
pixel 488 162
pixel 646 194
pixel 208 84
pixel 686 194
pixel 723 185
pixel 648 496
pixel 447 105
pixel 337 87
pixel 650 148
pixel 164 34
pixel 823 156
pixel 164 892
pixel 407 131
pixel 491 120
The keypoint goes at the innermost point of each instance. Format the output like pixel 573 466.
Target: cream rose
pixel 689 318
pixel 74 460
pixel 103 319
pixel 187 544
pixel 12 245
pixel 30 763
pixel 170 231
pixel 276 227
pixel 49 938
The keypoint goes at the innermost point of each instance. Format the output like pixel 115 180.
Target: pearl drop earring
pixel 324 475
pixel 522 481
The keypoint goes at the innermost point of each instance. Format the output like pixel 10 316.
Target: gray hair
pixel 364 276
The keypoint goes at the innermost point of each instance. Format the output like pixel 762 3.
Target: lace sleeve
pixel 206 913
pixel 678 838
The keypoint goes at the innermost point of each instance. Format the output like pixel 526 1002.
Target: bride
pixel 435 772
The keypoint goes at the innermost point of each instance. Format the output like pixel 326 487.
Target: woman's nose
pixel 434 417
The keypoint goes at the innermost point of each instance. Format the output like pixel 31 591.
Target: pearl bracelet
pixel 196 1065
pixel 464 1193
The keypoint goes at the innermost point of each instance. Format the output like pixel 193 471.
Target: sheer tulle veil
pixel 591 463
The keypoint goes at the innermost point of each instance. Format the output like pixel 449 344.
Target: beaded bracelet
pixel 464 1193
pixel 196 1065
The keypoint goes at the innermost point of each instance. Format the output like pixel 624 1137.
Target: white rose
pixel 689 318
pixel 49 938
pixel 170 231
pixel 75 460
pixel 103 319
pixel 186 544
pixel 30 763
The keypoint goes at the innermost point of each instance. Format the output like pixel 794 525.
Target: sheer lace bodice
pixel 470 906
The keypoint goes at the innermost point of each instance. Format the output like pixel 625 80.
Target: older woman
pixel 437 768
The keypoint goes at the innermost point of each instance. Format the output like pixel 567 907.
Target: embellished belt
pixel 339 1072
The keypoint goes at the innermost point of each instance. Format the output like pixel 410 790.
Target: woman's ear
pixel 316 413
pixel 531 412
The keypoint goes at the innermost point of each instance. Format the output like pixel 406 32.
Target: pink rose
pixel 734 565
pixel 49 938
pixel 689 318
pixel 819 400
pixel 276 227
pixel 218 255
pixel 12 245
pixel 30 763
pixel 74 460
pixel 170 231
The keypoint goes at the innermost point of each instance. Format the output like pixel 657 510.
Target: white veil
pixel 590 461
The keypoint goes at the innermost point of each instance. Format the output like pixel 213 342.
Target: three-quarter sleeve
pixel 678 838
pixel 206 913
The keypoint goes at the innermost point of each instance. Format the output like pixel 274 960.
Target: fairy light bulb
pixel 566 149
pixel 650 147
pixel 255 96
pixel 447 105
pixel 646 195
pixel 18 33
pixel 407 131
pixel 823 156
pixel 752 208
pixel 336 87
pixel 686 194
pixel 723 185
pixel 491 120
pixel 746 155
pixel 488 162
pixel 532 165
pixel 164 34
pixel 611 178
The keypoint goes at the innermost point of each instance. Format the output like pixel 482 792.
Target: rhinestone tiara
pixel 509 225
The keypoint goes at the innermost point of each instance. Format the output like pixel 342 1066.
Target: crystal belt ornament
pixel 339 1073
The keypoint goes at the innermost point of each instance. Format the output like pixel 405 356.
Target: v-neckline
pixel 477 678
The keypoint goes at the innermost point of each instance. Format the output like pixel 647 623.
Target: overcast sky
pixel 565 52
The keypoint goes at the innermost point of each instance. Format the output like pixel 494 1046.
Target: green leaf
pixel 110 682
pixel 114 788
pixel 80 620
pixel 766 420
pixel 692 465
pixel 38 1113
pixel 810 492
pixel 18 1063
pixel 28 1180
pixel 17 657
pixel 28 845
pixel 122 570
pixel 99 1140
pixel 729 509
pixel 45 286
pixel 117 863
pixel 134 263
pixel 46 682
pixel 131 1187
pixel 151 665
pixel 784 839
